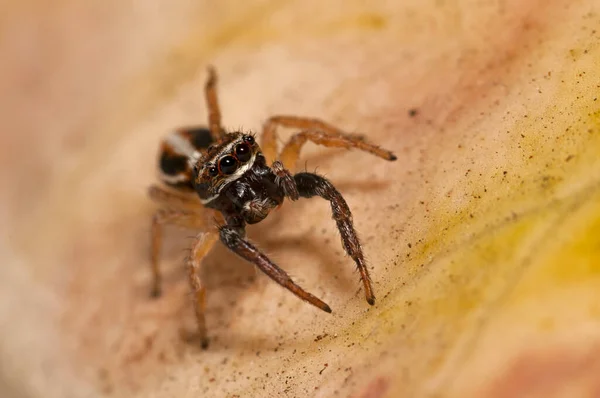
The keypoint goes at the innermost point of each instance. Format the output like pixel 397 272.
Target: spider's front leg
pixel 309 185
pixel 232 236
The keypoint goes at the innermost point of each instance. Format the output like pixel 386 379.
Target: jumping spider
pixel 235 185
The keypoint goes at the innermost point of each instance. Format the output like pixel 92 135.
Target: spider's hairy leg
pixel 169 216
pixel 232 238
pixel 310 185
pixel 285 180
pixel 212 102
pixel 202 245
pixel 316 131
pixel 172 198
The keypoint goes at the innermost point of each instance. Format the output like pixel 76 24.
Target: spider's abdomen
pixel 178 153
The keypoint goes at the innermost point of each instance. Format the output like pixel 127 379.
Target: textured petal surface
pixel 483 238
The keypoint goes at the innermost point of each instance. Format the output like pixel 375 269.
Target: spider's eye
pixel 213 171
pixel 228 164
pixel 243 152
pixel 249 139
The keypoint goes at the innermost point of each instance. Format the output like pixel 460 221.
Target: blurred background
pixel 482 237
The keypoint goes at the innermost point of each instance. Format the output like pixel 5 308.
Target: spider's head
pixel 223 163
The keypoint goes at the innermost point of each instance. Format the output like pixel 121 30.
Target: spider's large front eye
pixel 243 152
pixel 228 164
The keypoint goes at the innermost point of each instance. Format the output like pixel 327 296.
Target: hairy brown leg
pixel 310 185
pixel 168 216
pixel 316 131
pixel 285 180
pixel 202 245
pixel 172 198
pixel 212 102
pixel 233 239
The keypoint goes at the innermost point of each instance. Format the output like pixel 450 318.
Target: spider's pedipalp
pixel 285 180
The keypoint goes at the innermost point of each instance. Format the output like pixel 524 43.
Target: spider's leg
pixel 212 102
pixel 316 131
pixel 169 216
pixel 172 198
pixel 310 185
pixel 232 237
pixel 202 245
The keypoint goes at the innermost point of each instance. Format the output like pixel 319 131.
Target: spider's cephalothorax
pixel 231 176
pixel 234 179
